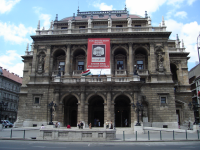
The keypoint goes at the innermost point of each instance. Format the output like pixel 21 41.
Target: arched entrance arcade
pixel 122 111
pixel 96 111
pixel 70 110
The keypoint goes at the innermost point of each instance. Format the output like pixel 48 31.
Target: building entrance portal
pixel 70 111
pixel 96 111
pixel 122 112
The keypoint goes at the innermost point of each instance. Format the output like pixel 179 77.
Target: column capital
pixel 130 43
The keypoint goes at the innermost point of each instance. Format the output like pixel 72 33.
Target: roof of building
pixel 94 15
pixel 11 76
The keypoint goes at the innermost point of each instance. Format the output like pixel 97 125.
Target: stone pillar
pixel 131 59
pixel 82 105
pixel 109 106
pixel 47 60
pixel 58 111
pixel 86 114
pixel 152 60
pixel 167 62
pixel 34 62
pixel 67 61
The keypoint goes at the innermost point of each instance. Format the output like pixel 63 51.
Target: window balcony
pixel 77 72
pixel 143 72
pixel 120 72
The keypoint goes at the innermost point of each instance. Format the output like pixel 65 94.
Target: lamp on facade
pixel 52 107
pixel 138 107
pixel 135 70
pixel 194 106
pixel 3 106
pixel 59 73
pixel 198 46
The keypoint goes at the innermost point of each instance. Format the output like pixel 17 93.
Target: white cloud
pixel 190 2
pixel 102 6
pixel 15 34
pixel 7 61
pixel 7 5
pixel 139 7
pixel 45 18
pixel 188 32
pixel 181 14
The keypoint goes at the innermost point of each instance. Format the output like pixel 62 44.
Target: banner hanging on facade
pixel 98 55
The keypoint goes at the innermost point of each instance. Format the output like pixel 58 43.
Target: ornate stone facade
pixel 54 74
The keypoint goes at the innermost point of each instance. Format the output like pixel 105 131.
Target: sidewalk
pixel 32 132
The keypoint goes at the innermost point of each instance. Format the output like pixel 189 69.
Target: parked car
pixel 6 123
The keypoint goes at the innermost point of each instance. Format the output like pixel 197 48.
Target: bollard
pixel 148 136
pixel 173 135
pixel 198 134
pixel 24 134
pixel 160 135
pixel 186 134
pixel 136 135
pixel 11 133
pixel 123 136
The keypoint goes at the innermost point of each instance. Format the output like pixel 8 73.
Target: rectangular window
pixel 63 27
pixel 37 100
pixel 62 66
pixel 120 65
pixel 118 26
pixel 80 65
pixel 163 100
pixel 137 25
pixel 81 27
pixel 140 65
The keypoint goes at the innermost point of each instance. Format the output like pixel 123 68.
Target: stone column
pixel 58 111
pixel 131 59
pixel 109 106
pixel 34 62
pixel 47 60
pixel 152 60
pixel 82 105
pixel 67 61
pixel 167 62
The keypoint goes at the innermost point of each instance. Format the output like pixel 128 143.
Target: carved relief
pixel 41 62
pixel 160 61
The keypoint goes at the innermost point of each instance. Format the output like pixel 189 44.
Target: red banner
pixel 98 54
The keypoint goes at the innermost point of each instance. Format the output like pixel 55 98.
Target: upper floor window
pixel 120 65
pixel 101 16
pixel 80 65
pixel 137 25
pixel 81 27
pixel 118 15
pixel 140 64
pixel 163 100
pixel 62 65
pixel 118 26
pixel 84 16
pixel 64 28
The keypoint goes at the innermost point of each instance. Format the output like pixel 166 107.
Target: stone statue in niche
pixel 89 23
pixel 160 60
pixel 41 64
pixel 109 22
pixel 69 24
pixel 129 22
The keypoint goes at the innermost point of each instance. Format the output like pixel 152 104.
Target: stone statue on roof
pixel 89 23
pixel 69 24
pixel 109 22
pixel 129 22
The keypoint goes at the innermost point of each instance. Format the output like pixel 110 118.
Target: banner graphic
pixel 98 55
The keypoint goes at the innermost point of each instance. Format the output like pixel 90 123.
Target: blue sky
pixel 19 19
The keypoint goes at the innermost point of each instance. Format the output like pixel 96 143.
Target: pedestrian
pixel 111 125
pixel 95 122
pixel 107 124
pixel 125 122
pixel 90 126
pixel 68 126
pixel 58 124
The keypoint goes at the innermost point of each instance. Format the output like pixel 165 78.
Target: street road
pixel 49 145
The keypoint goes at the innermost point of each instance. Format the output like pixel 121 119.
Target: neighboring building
pixel 10 84
pixel 194 80
pixel 120 41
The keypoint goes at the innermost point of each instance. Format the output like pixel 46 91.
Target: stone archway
pixel 70 110
pixel 96 111
pixel 122 111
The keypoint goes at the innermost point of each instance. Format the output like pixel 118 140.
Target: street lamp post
pixel 138 107
pixel 194 106
pixel 59 72
pixel 3 106
pixel 52 107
